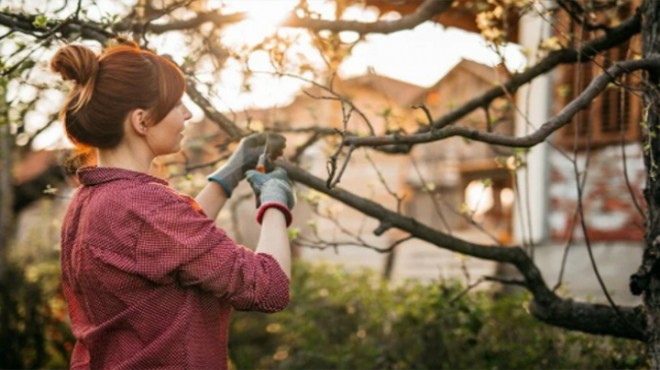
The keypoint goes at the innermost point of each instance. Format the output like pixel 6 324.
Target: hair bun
pixel 77 63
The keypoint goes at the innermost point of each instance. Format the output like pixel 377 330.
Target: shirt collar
pixel 92 175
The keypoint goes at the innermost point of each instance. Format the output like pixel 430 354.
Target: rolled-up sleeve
pixel 178 244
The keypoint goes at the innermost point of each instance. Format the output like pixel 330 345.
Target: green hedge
pixel 337 320
pixel 34 325
pixel 341 320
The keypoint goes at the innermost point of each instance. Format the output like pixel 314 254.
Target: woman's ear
pixel 137 120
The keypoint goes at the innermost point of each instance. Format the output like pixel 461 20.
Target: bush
pixel 34 322
pixel 341 320
pixel 337 320
pixel 34 327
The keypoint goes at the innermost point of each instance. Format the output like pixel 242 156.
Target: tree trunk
pixel 6 190
pixel 649 269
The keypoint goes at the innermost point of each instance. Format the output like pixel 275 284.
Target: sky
pixel 420 56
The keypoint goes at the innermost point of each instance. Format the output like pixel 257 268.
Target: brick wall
pixel 609 211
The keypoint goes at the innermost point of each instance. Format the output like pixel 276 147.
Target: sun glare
pixel 269 13
pixel 263 15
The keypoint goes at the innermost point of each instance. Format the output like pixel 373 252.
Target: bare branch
pixel 591 318
pixel 25 24
pixel 201 18
pixel 564 117
pixel 619 34
pixel 343 168
pixel 426 112
pixel 506 281
pixel 547 306
pixel 577 13
pixel 425 12
pixel 211 113
pixel 467 289
pixel 381 178
pixel 438 210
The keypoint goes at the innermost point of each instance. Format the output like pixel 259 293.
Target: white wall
pixel 534 103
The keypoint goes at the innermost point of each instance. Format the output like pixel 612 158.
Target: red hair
pixel 123 78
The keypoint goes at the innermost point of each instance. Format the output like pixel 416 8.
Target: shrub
pixel 34 330
pixel 341 320
pixel 337 320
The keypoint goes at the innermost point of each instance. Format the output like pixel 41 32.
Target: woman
pixel 148 278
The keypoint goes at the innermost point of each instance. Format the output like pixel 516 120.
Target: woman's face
pixel 165 136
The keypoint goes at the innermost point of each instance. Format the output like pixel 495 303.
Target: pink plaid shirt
pixel 150 280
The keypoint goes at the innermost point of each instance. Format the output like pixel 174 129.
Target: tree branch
pixel 426 11
pixel 546 305
pixel 211 113
pixel 24 24
pixel 201 18
pixel 572 8
pixel 591 318
pixel 562 118
pixel 589 49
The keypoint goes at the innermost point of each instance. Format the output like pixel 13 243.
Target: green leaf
pixel 387 112
pixel 40 21
pixel 500 161
pixel 293 233
pixel 465 209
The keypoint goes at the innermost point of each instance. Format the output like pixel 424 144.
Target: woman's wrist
pixel 274 209
pixel 227 189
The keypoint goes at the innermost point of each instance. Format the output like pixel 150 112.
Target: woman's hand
pixel 272 189
pixel 245 158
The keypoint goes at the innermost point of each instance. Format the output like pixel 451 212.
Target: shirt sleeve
pixel 179 244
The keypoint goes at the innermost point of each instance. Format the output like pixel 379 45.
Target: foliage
pixel 34 326
pixel 336 319
pixel 342 320
pixel 34 331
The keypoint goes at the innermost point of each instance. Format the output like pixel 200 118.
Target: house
pixel 546 218
pixel 603 145
pixel 545 213
pixel 434 183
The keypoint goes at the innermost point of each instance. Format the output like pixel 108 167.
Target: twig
pixel 466 290
pixel 625 159
pixel 426 112
pixel 567 247
pixel 438 210
pixel 343 167
pixel 506 281
pixel 399 199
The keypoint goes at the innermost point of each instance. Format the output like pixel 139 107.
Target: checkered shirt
pixel 149 279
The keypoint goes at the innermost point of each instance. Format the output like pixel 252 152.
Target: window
pixel 485 195
pixel 614 112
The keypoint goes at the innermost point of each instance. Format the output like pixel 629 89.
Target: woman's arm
pixel 274 239
pixel 211 198
pixel 178 245
pixel 276 199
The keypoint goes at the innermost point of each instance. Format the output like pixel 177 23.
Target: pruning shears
pixel 263 157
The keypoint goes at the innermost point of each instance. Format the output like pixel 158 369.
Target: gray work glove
pixel 245 158
pixel 272 189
